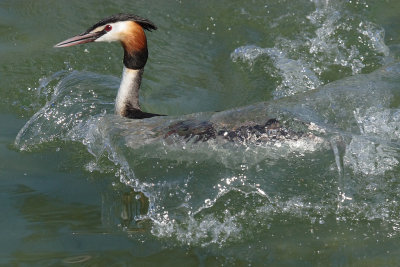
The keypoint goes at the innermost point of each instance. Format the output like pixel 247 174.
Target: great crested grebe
pixel 129 30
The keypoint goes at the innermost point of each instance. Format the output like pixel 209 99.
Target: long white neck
pixel 128 92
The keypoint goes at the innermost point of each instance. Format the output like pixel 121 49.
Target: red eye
pixel 108 28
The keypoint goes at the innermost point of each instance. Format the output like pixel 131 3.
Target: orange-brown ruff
pixel 134 39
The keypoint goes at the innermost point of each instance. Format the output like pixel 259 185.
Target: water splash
pixel 68 104
pixel 364 154
pixel 332 43
pixel 215 192
pixel 296 76
pixel 220 192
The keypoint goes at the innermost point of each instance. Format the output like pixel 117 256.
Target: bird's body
pixel 129 31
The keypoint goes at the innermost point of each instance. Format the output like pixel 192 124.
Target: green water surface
pixel 57 209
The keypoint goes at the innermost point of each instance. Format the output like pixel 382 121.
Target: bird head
pixel 125 28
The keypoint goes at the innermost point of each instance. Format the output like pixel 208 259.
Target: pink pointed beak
pixel 80 39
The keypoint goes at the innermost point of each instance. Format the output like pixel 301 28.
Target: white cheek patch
pixel 114 35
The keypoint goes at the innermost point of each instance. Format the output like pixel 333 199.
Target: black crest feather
pixel 145 23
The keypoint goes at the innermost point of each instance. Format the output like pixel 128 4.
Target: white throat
pixel 128 92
